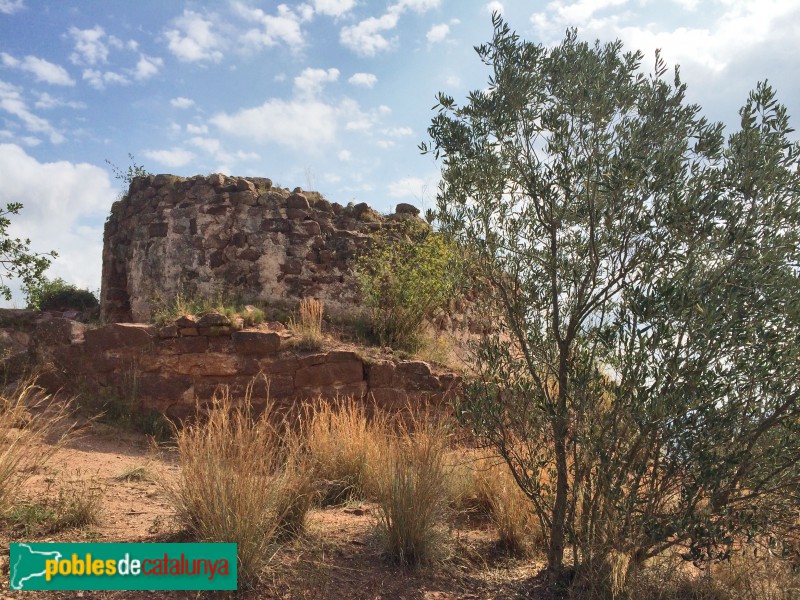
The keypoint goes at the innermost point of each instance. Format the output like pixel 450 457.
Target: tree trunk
pixel 555 555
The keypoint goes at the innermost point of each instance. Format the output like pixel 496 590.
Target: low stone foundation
pixel 170 369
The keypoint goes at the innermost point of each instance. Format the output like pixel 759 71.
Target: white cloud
pixel 176 157
pixel 344 155
pixel 41 69
pixel 311 81
pixel 9 7
pixel 408 187
pixel 193 39
pixel 731 29
pixel 359 120
pixel 147 67
pixel 196 129
pixel 57 197
pixel 494 7
pixel 366 38
pixel 210 145
pixel 282 27
pixel 363 79
pixel 385 144
pixel 299 124
pixel 12 102
pixel 576 13
pixel 418 6
pixel 247 156
pixel 181 102
pixel 91 45
pixel 28 140
pixel 46 101
pixel 214 148
pixel 334 8
pixel 453 81
pixel 100 79
pixel 438 33
pixel 399 131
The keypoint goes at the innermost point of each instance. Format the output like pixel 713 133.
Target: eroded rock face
pixel 205 236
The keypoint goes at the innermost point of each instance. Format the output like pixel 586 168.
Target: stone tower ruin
pixel 232 236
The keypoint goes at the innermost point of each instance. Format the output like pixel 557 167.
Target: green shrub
pixel 405 282
pixel 57 294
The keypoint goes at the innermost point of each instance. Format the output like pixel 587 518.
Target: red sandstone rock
pixel 119 335
pixel 186 321
pixel 297 201
pixel 213 319
pixel 380 374
pixel 255 342
pixel 329 373
pixel 56 332
pixel 168 331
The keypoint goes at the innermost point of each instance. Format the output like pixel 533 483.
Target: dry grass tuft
pixel 79 503
pixel 343 442
pixel 27 416
pixel 412 482
pixel 742 577
pixel 242 480
pixel 307 329
pixel 507 506
pixel 482 486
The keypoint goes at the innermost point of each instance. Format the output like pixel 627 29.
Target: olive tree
pixel 642 384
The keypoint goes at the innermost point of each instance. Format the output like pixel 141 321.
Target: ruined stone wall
pixel 231 236
pixel 169 370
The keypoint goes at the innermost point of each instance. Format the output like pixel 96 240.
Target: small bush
pixel 406 282
pixel 58 295
pixel 27 417
pixel 241 481
pixel 412 492
pixel 308 327
pixel 342 443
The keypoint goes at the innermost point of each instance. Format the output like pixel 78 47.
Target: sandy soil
pixel 338 557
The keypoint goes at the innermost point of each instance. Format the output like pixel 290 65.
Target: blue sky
pixel 331 95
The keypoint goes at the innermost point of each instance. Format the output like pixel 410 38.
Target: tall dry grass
pixel 412 485
pixel 243 480
pixel 742 577
pixel 481 486
pixel 507 507
pixel 28 417
pixel 343 443
pixel 307 328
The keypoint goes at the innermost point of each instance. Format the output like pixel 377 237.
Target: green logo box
pixel 92 566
